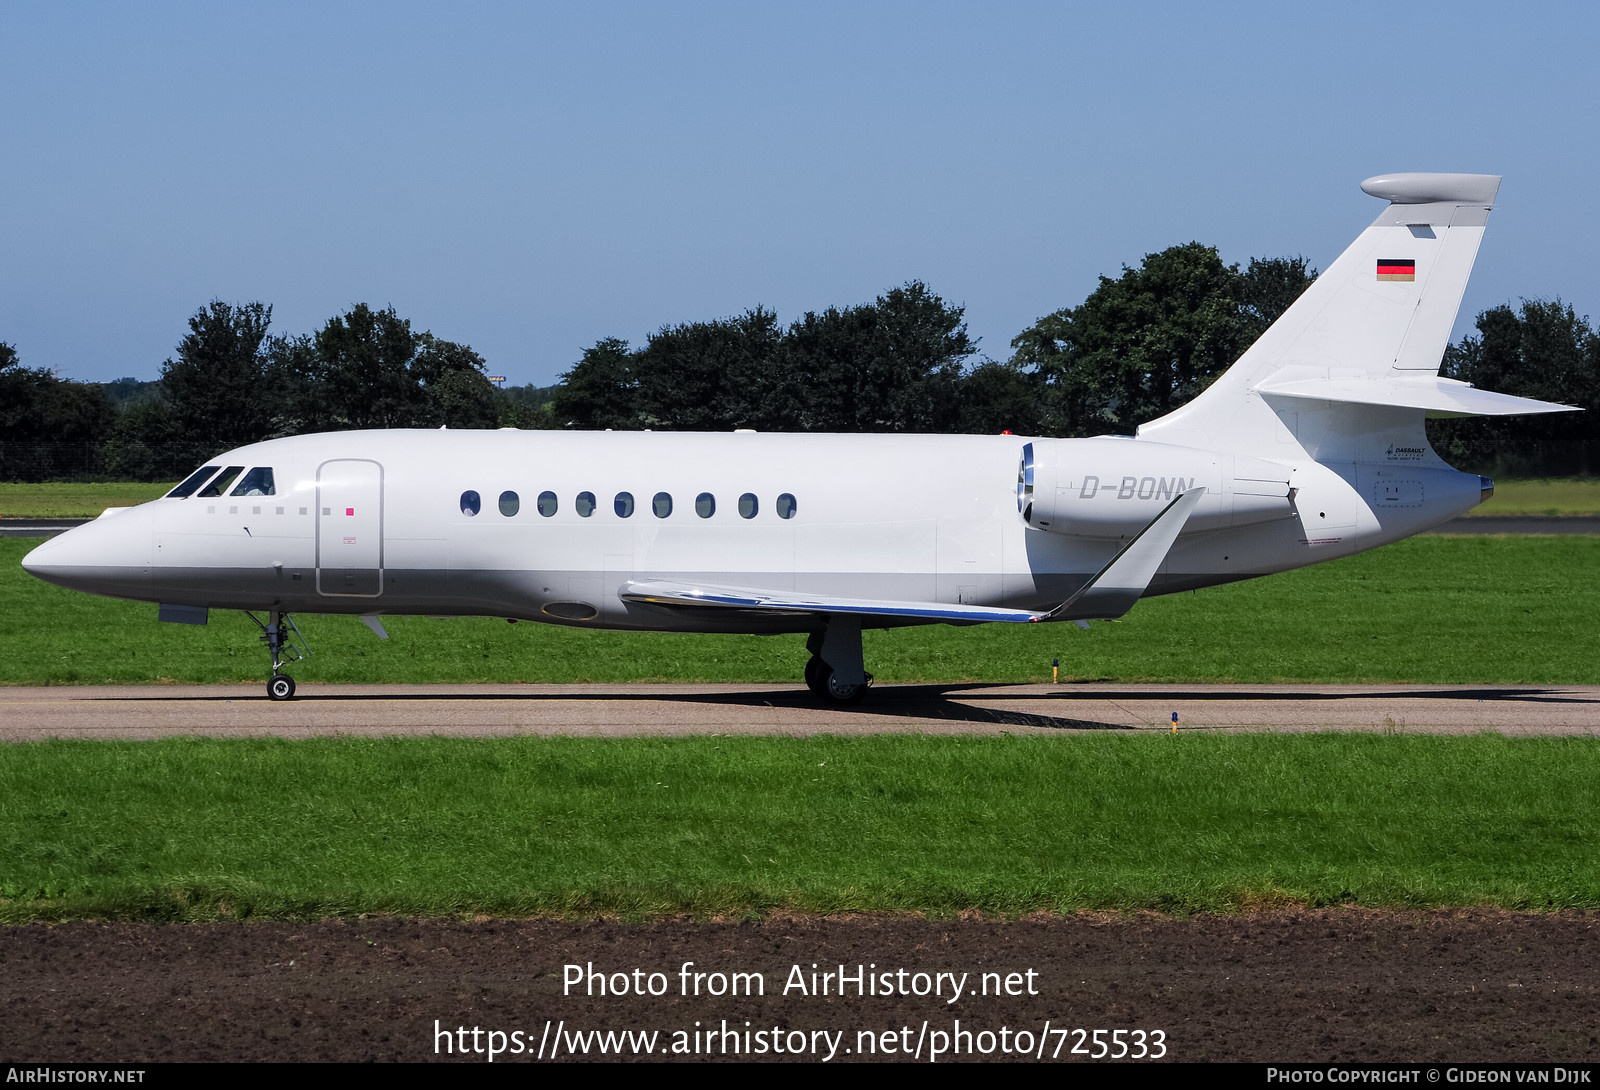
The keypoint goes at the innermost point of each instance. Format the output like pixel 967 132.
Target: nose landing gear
pixel 284 648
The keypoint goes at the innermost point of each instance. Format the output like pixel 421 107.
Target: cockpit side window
pixel 192 482
pixel 224 479
pixel 258 482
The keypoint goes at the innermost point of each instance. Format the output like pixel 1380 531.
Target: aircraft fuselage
pixel 384 522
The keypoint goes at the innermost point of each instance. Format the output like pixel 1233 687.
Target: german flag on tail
pixel 1397 268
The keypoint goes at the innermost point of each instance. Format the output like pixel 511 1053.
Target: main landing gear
pixel 834 671
pixel 283 647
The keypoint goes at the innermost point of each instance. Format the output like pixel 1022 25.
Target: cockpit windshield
pixel 224 479
pixel 192 482
pixel 258 482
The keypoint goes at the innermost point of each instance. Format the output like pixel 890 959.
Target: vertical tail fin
pixel 1383 311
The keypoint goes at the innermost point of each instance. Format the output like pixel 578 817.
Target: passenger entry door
pixel 350 528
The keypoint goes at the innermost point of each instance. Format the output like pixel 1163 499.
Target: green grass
pixel 75 500
pixel 1431 609
pixel 1562 496
pixel 195 829
pixel 1571 496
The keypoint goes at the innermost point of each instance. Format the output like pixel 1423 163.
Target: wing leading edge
pixel 1111 593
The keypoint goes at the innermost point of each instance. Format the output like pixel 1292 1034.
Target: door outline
pixel 319 526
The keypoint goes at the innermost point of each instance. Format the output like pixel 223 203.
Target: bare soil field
pixel 1337 984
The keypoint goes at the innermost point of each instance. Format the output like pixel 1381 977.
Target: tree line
pixel 1138 346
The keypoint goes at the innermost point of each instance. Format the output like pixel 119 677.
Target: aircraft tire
pixel 281 687
pixel 842 694
pixel 817 676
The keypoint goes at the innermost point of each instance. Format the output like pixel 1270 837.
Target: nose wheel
pixel 280 634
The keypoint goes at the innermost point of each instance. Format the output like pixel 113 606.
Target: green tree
pixel 528 407
pixel 216 387
pixel 364 363
pixel 49 427
pixel 1542 350
pixel 1267 287
pixel 1143 344
pixel 1139 345
pixel 891 365
pixel 602 389
pixel 998 397
pixel 456 390
pixel 714 376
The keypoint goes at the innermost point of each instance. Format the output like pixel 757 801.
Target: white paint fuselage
pixel 372 523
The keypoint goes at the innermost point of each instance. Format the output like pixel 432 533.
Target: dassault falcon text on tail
pixel 1310 447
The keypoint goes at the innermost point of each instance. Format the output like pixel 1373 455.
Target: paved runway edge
pixel 242 711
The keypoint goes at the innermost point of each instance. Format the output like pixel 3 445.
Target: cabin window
pixel 192 482
pixel 258 482
pixel 748 505
pixel 705 505
pixel 786 506
pixel 662 504
pixel 547 504
pixel 585 504
pixel 509 504
pixel 623 504
pixel 471 504
pixel 224 479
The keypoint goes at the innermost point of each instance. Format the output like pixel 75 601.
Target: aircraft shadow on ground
pixel 900 701
pixel 953 703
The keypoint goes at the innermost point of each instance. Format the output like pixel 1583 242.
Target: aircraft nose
pixel 110 555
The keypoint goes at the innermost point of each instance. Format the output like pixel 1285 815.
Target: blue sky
pixel 530 178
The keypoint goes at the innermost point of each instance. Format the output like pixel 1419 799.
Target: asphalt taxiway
pixel 242 711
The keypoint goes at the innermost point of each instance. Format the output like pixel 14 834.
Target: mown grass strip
pixel 1555 496
pixel 1432 609
pixel 200 829
pixel 74 500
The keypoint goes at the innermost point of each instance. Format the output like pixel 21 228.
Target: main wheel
pixel 817 676
pixel 838 692
pixel 281 687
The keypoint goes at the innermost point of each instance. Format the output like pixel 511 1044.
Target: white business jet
pixel 1310 447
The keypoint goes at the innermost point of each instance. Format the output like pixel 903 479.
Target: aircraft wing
pixel 663 592
pixel 1111 593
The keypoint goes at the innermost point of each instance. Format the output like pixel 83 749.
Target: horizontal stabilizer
pixel 1123 581
pixel 665 593
pixel 1431 392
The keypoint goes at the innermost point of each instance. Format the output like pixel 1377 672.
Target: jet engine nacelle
pixel 1113 487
